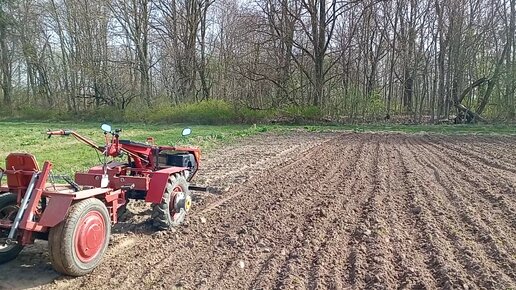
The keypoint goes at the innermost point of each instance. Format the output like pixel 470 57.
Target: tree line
pixel 354 59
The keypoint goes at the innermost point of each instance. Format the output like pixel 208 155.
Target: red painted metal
pixel 56 210
pixel 158 183
pixel 116 199
pixel 19 170
pixel 90 236
pixel 114 195
pixel 139 182
pixel 26 222
pixel 37 192
pixel 84 194
pixel 36 219
pixel 157 187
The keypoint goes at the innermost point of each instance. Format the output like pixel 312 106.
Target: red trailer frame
pixel 58 200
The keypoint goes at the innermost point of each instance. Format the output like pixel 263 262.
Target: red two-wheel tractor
pixel 76 217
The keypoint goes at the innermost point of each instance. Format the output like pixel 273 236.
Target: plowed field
pixel 324 211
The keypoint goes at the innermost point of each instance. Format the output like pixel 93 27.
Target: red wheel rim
pixel 174 213
pixel 90 236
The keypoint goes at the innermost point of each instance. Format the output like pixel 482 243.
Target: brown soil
pixel 321 211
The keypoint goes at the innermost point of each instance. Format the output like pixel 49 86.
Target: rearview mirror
pixel 105 128
pixel 186 131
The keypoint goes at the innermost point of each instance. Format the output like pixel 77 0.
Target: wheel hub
pixel 182 203
pixel 188 203
pixel 90 236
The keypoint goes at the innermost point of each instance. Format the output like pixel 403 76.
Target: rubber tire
pixel 7 199
pixel 61 239
pixel 160 212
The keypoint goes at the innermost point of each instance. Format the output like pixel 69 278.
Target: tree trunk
pixel 393 62
pixel 441 60
pixel 494 79
pixel 202 43
pixel 5 61
pixel 510 86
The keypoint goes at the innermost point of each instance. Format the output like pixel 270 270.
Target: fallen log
pixel 473 117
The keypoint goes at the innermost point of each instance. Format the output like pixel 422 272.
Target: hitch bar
pixel 208 189
pixel 23 208
pixel 198 188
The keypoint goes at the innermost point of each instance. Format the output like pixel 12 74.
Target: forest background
pixel 258 60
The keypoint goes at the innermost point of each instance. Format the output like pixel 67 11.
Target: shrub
pixel 214 112
pixel 205 112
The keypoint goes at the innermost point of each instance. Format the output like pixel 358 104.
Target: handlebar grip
pixel 59 132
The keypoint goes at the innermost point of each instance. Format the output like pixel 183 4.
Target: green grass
pixel 69 155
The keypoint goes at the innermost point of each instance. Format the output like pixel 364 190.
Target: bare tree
pixel 134 18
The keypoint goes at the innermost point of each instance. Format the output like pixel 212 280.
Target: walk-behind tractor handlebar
pixel 144 156
pixel 114 140
pixel 77 136
pixel 76 218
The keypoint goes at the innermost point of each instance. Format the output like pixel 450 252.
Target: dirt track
pixel 321 211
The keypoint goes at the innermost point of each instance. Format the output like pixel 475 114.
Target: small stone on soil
pixel 416 210
pixel 158 234
pixel 322 212
pixel 242 231
pixel 241 264
pixel 233 240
